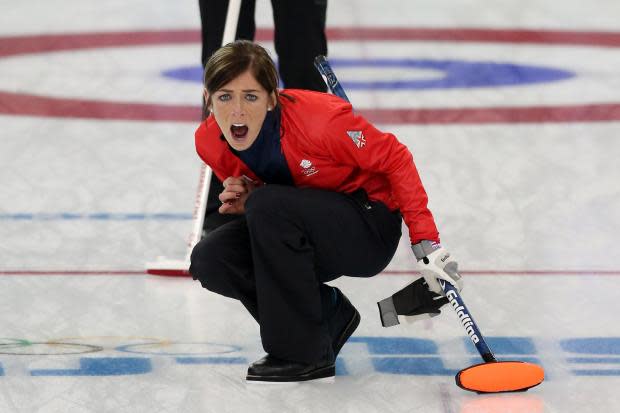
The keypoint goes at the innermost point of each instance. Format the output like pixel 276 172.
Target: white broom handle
pixel 232 19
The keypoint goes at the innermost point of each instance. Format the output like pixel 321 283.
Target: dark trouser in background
pixel 276 259
pixel 299 36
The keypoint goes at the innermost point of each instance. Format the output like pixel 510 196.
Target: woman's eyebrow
pixel 244 90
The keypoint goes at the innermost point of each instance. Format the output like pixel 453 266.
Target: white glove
pixel 434 262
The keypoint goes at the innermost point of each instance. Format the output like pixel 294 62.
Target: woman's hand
pixel 234 195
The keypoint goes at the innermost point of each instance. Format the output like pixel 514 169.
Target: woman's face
pixel 240 107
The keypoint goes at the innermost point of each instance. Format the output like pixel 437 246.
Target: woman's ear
pixel 273 100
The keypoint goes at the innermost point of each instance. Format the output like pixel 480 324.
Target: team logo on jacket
pixel 307 168
pixel 357 137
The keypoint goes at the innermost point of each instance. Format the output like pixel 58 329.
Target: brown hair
pixel 235 58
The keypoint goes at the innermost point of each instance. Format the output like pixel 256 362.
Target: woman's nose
pixel 237 107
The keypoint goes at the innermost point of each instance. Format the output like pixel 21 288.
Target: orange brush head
pixel 500 376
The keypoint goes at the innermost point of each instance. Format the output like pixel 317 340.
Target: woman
pixel 319 192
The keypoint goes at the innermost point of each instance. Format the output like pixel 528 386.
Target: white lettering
pixel 465 318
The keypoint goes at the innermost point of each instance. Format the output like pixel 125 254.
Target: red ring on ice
pixel 35 105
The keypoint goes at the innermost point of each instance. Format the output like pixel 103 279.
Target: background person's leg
pixel 213 18
pixel 299 38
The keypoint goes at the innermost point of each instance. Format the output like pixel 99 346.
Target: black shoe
pixel 271 369
pixel 343 323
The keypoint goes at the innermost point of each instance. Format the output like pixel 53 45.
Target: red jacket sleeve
pixel 352 140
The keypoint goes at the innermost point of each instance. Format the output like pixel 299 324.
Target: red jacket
pixel 328 146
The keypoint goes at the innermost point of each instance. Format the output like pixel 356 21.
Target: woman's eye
pixel 251 97
pixel 224 97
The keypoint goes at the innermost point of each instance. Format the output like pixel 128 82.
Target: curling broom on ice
pixel 492 376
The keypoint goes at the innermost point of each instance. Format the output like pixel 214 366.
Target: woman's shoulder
pixel 208 129
pixel 310 99
pixel 208 138
pixel 309 108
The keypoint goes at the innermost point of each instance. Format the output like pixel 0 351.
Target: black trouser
pixel 276 258
pixel 299 36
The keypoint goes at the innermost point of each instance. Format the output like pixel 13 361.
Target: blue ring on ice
pixel 456 74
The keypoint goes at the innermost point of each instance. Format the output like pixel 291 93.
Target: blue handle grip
pixel 472 330
pixel 324 68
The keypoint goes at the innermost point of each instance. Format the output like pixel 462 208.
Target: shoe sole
pixel 325 380
pixel 347 332
pixel 322 374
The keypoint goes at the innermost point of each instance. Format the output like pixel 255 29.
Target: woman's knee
pixel 203 261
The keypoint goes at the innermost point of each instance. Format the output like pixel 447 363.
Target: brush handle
pixel 471 328
pixel 324 68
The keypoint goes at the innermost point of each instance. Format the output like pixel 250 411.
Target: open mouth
pixel 239 130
